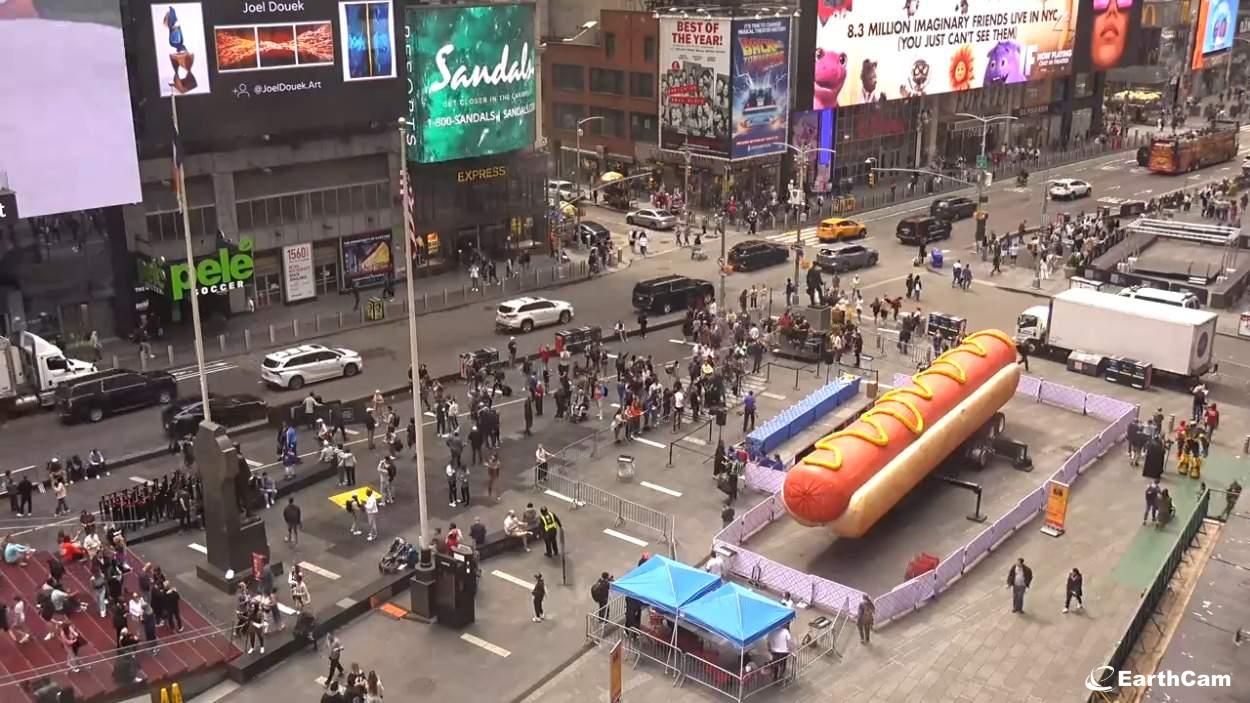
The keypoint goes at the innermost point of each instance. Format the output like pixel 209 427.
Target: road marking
pixel 351 432
pixel 558 496
pixel 189 372
pixel 628 538
pixel 695 440
pixel 611 355
pixel 479 642
pixel 1147 191
pixel 1113 187
pixel 679 341
pixel 139 479
pixel 196 547
pixel 430 414
pixel 254 464
pixel 650 443
pixel 661 489
pixel 320 681
pixel 513 579
pixel 286 609
pixel 774 396
pixel 324 573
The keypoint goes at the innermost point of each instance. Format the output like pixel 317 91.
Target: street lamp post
pixel 415 374
pixel 577 173
pixel 195 284
pixel 802 153
pixel 982 162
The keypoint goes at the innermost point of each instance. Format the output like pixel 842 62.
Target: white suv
pixel 527 313
pixel 292 368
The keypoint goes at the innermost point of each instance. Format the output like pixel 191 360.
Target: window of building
pixel 293 208
pixel 604 80
pixel 648 49
pixel 642 128
pixel 612 124
pixel 566 115
pixel 568 78
pixel 167 226
pixel 609 44
pixel 642 85
pixel 327 278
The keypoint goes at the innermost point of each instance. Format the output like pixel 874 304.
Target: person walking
pixel 642 325
pixel 25 492
pixel 73 641
pixel 550 525
pixel 1019 578
pixel 529 415
pixel 1152 503
pixel 334 648
pixel 539 592
pixel 347 460
pixel 371 426
pixel 599 593
pixel 492 475
pixel 291 516
pixel 371 513
pixel 748 412
pixel 867 614
pixel 61 491
pixel 541 460
pixel 1074 590
pixel 256 629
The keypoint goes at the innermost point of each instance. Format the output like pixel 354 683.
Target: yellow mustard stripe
pixel 944 365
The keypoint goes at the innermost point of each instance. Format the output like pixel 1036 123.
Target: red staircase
pixel 197 648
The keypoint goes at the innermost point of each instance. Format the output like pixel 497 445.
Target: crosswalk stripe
pixel 649 442
pixel 286 609
pixel 660 489
pixel 195 547
pixel 139 479
pixel 513 579
pixel 324 573
pixel 479 642
pixel 558 496
pixel 628 538
pixel 209 369
pixel 254 464
pixel 695 441
pixel 774 396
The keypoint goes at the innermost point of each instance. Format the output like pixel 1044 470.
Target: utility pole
pixel 409 238
pixel 685 188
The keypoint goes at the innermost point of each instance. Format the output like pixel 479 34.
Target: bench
pixel 499 542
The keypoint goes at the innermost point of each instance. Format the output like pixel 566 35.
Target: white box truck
pixel 1173 339
pixel 30 371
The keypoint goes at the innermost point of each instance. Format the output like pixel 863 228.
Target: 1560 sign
pixel 219 274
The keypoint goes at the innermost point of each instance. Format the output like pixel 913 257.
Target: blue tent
pixel 737 614
pixel 665 584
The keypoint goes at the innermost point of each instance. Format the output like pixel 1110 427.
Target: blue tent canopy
pixel 665 584
pixel 737 614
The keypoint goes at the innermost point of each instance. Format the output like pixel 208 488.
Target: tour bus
pixel 1179 298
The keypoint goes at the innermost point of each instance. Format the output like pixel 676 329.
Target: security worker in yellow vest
pixel 550 526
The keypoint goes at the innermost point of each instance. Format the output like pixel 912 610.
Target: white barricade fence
pixel 763 479
pixel 950 569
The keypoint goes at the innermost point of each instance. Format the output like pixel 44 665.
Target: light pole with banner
pixel 800 192
pixel 577 174
pixel 414 374
pixel 982 160
pixel 191 269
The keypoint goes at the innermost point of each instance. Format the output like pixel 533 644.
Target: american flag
pixel 410 228
pixel 177 148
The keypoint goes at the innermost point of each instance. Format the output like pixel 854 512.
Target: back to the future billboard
pixel 761 86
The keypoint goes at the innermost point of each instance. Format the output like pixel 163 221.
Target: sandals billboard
pixel 471 81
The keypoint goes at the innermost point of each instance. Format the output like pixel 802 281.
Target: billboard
pixel 866 52
pixel 67 136
pixel 367 259
pixel 761 86
pixel 1216 27
pixel 1108 34
pixel 812 129
pixel 471 87
pixel 299 282
pixel 252 68
pixel 695 87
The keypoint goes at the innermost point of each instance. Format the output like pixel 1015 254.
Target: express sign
pixel 219 274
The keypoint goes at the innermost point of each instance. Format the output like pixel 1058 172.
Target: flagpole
pixel 415 375
pixel 195 284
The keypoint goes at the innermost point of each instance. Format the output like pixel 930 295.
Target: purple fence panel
pixel 1029 387
pixel 900 380
pixel 903 599
pixel 950 569
pixel 1062 396
pixel 763 479
pixel 1104 408
pixel 1069 471
pixel 979 547
pixel 744 562
pixel 833 597
pixel 781 578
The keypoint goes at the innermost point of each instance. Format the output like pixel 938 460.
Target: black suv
pixel 93 396
pixel 953 208
pixel 917 230
pixel 668 293
pixel 757 254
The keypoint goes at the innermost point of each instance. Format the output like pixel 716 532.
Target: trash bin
pixel 624 468
pixel 375 310
pixel 935 258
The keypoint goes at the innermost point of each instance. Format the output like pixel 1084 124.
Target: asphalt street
pixel 30 441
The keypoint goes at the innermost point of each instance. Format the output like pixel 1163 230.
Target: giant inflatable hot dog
pixel 855 475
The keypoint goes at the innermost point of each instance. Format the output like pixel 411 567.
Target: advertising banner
pixel 471 87
pixel 266 67
pixel 1217 23
pixel 67 136
pixel 1056 508
pixel 1108 34
pixel 695 86
pixel 867 52
pixel 761 86
pixel 817 128
pixel 298 280
pixel 367 259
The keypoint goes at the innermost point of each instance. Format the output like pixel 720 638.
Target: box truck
pixel 1173 339
pixel 30 371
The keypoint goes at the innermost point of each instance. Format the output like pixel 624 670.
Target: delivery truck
pixel 30 371
pixel 1175 340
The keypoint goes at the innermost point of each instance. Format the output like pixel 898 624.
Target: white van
pixel 564 190
pixel 1179 298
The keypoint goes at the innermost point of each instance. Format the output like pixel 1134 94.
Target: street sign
pixel 983 162
pixel 615 659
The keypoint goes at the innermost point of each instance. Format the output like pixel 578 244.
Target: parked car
pixel 653 218
pixel 592 233
pixel 757 254
pixel 914 230
pixel 308 363
pixel 96 395
pixel 527 313
pixel 564 190
pixel 672 292
pixel 835 229
pixel 846 257
pixel 183 417
pixel 953 208
pixel 1069 189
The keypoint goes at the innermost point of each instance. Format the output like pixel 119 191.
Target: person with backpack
pixel 599 593
pixel 291 516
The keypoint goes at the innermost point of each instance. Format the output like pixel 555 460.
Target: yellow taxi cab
pixel 835 229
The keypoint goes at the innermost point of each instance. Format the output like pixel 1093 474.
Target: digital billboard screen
pixel 695 86
pixel 1216 27
pixel 67 136
pixel 257 67
pixel 471 87
pixel 761 86
pixel 1108 34
pixel 867 52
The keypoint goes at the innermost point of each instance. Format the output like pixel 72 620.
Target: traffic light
pixel 872 179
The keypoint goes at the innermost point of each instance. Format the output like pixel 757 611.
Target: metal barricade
pixel 580 494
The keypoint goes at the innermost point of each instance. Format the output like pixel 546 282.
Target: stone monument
pixel 234 535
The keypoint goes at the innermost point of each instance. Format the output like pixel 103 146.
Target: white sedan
pixel 651 217
pixel 1069 189
pixel 527 313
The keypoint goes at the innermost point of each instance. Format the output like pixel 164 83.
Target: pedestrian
pixel 1152 502
pixel 541 461
pixel 492 475
pixel 384 479
pixel 171 605
pixel 1074 590
pixel 61 491
pixel 550 525
pixel 17 628
pixel 642 325
pixel 355 295
pixel 529 415
pixel 1019 578
pixel 347 460
pixel 452 493
pixel 1024 355
pixel 25 492
pixel 291 516
pixel 867 614
pixel 371 426
pixel 780 642
pixel 300 596
pixel 256 628
pixel 539 592
pixel 748 411
pixel 462 484
pixel 371 513
pixel 599 593
pixel 73 641
pixel 478 532
pixel 334 647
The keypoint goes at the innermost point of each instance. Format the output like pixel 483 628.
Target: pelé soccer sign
pixel 221 273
